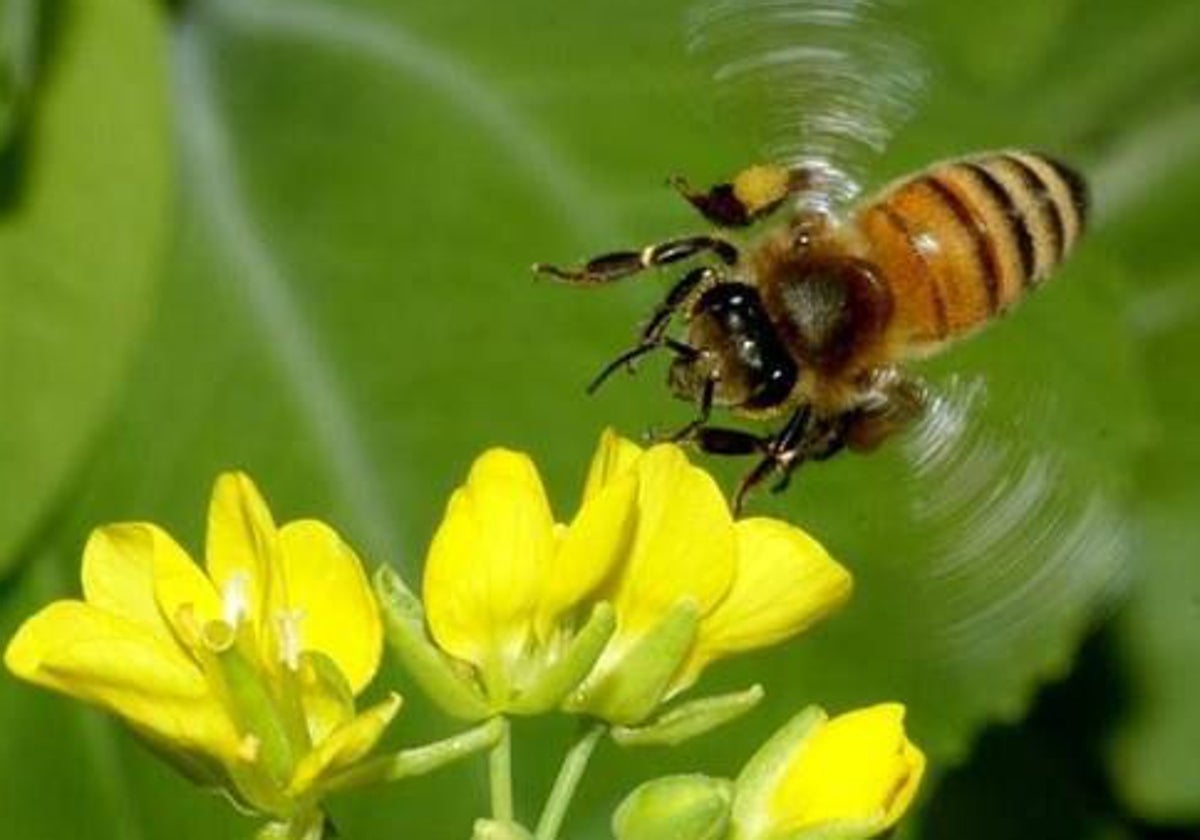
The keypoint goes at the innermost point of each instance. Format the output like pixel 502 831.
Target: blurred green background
pixel 293 236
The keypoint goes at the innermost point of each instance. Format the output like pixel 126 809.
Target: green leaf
pixel 83 220
pixel 1152 753
pixel 19 34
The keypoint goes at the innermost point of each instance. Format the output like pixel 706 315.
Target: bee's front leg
pixel 618 265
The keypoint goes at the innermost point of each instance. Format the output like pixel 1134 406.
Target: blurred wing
pixel 822 83
pixel 1012 538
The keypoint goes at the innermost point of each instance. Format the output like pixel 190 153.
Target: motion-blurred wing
pixel 1012 536
pixel 823 83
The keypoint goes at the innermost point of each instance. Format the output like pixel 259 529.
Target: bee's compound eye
pixel 775 381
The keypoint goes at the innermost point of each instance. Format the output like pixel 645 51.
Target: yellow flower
pixel 649 582
pixel 504 584
pixel 696 586
pixel 243 674
pixel 847 778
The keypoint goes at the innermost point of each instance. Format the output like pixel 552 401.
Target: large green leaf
pixel 348 314
pixel 1152 753
pixel 83 209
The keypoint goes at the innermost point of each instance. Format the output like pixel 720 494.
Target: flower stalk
pixel 569 775
pixel 500 774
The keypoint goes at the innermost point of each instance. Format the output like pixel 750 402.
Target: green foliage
pixel 83 204
pixel 346 312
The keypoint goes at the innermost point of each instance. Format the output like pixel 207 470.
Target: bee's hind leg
pixel 618 265
pixel 754 193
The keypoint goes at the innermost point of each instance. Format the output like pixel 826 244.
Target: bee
pixel 814 322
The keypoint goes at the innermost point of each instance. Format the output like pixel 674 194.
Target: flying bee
pixel 815 320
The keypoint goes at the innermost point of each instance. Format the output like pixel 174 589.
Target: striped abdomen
pixel 965 240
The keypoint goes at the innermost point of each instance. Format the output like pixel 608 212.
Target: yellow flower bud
pixel 851 777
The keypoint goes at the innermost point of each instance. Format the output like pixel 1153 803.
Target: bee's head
pixel 737 348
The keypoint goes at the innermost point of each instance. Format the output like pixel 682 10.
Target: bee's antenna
pixel 624 359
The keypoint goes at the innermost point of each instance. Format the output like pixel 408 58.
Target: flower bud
pixel 692 807
pixel 849 778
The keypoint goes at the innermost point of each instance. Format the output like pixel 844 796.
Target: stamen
pixel 235 598
pixel 291 641
pixel 248 748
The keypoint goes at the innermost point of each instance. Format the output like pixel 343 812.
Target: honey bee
pixel 815 320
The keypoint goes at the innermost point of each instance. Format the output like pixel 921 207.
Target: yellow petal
pixel 857 767
pixel 590 549
pixel 344 746
pixel 125 668
pixel 337 611
pixel 784 582
pixel 614 457
pixel 485 567
pixel 241 545
pixel 684 546
pixel 118 572
pixel 180 585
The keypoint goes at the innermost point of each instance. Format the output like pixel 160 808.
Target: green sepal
pixel 498 830
pixel 200 769
pixel 689 720
pixel 417 761
pixel 556 682
pixel 691 807
pixel 761 775
pixel 404 624
pixel 330 676
pixel 630 691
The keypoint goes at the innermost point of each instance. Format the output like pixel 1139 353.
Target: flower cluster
pixel 245 673
pixel 617 610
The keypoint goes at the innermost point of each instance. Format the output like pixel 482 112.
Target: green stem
pixel 573 767
pixel 417 761
pixel 500 775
